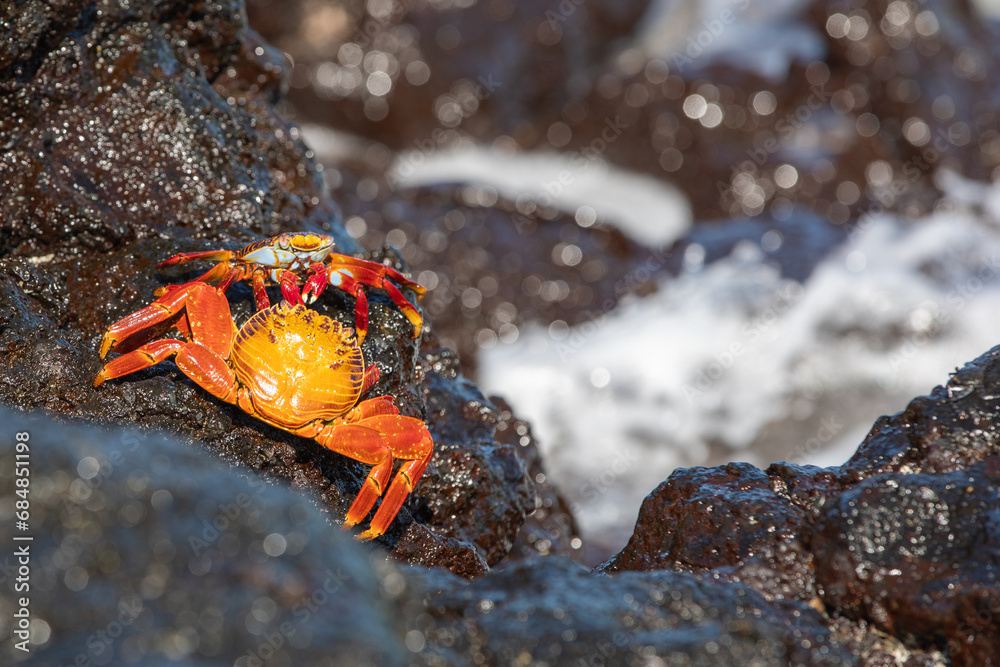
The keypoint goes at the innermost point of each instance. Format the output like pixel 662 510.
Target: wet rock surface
pixel 133 133
pixel 557 612
pixel 902 537
pixel 87 225
pixel 151 551
pixel 918 556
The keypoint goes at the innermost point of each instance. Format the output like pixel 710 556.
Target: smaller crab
pixel 290 367
pixel 284 258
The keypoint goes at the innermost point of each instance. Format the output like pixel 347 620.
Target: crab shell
pixel 288 366
pixel 298 366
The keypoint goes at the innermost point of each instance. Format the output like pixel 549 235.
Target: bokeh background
pixel 670 233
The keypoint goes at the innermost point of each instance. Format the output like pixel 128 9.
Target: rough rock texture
pixel 919 556
pixel 555 611
pixel 150 551
pixel 903 537
pixel 135 133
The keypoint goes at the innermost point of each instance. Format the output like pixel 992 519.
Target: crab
pixel 283 260
pixel 289 366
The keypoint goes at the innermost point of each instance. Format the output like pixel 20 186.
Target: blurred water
pixel 647 209
pixel 783 335
pixel 732 361
pixel 760 37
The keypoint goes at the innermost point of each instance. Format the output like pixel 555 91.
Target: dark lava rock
pixel 903 539
pixel 919 556
pixel 551 528
pixel 554 611
pixel 132 132
pixel 113 130
pixel 148 551
pixel 136 132
pixel 948 430
pixel 679 522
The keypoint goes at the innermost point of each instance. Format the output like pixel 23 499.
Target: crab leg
pixel 365 445
pixel 224 272
pixel 170 305
pixel 145 356
pixel 351 280
pixel 401 487
pixel 336 261
pixel 377 440
pixel 202 357
pixel 207 255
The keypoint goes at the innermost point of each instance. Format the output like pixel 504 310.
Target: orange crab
pixel 282 260
pixel 288 366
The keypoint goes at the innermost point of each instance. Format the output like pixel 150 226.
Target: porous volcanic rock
pixel 135 132
pixel 147 550
pixel 132 132
pixel 900 544
pixel 556 612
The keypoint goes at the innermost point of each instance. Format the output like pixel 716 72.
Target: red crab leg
pixel 369 380
pixel 145 356
pixel 201 313
pixel 289 283
pixel 195 360
pixel 341 261
pixel 351 279
pixel 211 255
pixel 315 283
pixel 170 305
pixel 408 438
pixel 363 444
pixel 259 293
pixel 407 477
pixel 377 440
pixel 224 272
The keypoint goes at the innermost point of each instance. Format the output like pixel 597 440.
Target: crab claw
pixel 315 283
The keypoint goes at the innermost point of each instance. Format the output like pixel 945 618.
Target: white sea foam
pixel 762 37
pixel 730 361
pixel 734 362
pixel 649 210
